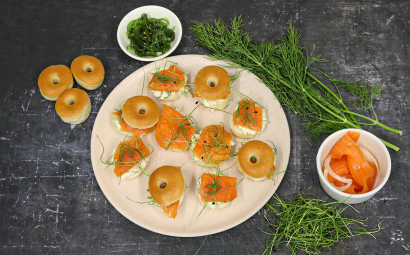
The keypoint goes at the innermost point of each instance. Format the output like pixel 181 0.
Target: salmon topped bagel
pixel 215 190
pixel 174 131
pixel 248 120
pixel 212 87
pixel 256 160
pixel 168 83
pixel 122 127
pixel 130 158
pixel 167 186
pixel 212 147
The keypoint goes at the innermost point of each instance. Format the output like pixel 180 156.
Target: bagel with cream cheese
pixel 256 160
pixel 167 186
pixel 140 112
pixel 221 195
pixel 212 87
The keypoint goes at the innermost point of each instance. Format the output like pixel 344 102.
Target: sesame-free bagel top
pixel 54 80
pixel 140 112
pixel 172 190
pixel 212 82
pixel 262 156
pixel 88 70
pixel 72 102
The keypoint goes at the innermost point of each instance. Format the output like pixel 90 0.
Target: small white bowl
pixel 372 144
pixel 152 11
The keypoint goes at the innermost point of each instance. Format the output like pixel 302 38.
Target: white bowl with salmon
pixel 353 165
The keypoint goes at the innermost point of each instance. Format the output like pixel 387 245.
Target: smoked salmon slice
pixel 214 145
pixel 171 210
pixel 127 128
pixel 128 154
pixel 216 188
pixel 248 115
pixel 174 131
pixel 348 161
pixel 170 80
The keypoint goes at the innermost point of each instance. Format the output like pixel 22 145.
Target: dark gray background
pixel 50 202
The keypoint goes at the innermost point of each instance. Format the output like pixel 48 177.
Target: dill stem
pixel 389 145
pixel 375 122
pixel 313 99
pixel 339 99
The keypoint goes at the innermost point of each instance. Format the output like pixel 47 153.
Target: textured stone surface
pixel 50 202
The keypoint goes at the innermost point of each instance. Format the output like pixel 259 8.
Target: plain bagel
pixel 212 82
pixel 73 106
pixel 166 185
pixel 256 160
pixel 140 112
pixel 88 72
pixel 54 80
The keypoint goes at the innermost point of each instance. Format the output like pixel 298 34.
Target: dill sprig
pixel 284 68
pixel 310 225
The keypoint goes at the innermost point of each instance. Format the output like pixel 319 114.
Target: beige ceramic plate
pixel 251 195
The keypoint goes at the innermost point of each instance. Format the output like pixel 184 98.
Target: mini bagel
pixel 172 190
pixel 255 160
pixel 54 80
pixel 218 206
pixel 73 106
pixel 212 82
pixel 88 72
pixel 140 112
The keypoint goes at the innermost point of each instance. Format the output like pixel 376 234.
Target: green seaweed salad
pixel 150 36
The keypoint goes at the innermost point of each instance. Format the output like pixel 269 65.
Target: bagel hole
pixel 88 69
pixel 142 110
pixel 212 82
pixel 70 101
pixel 254 159
pixel 162 184
pixel 55 80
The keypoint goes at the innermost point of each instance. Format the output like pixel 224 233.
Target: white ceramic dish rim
pixel 177 39
pixel 338 192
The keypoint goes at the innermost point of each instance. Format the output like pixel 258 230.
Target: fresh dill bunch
pixel 310 225
pixel 284 68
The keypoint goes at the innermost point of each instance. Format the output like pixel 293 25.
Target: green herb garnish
pixel 310 225
pixel 285 69
pixel 150 36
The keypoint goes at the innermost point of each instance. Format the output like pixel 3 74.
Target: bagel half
pixel 174 185
pixel 212 82
pixel 174 77
pixel 244 132
pixel 256 160
pixel 212 205
pixel 140 112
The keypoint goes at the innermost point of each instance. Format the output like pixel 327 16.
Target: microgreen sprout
pixel 310 225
